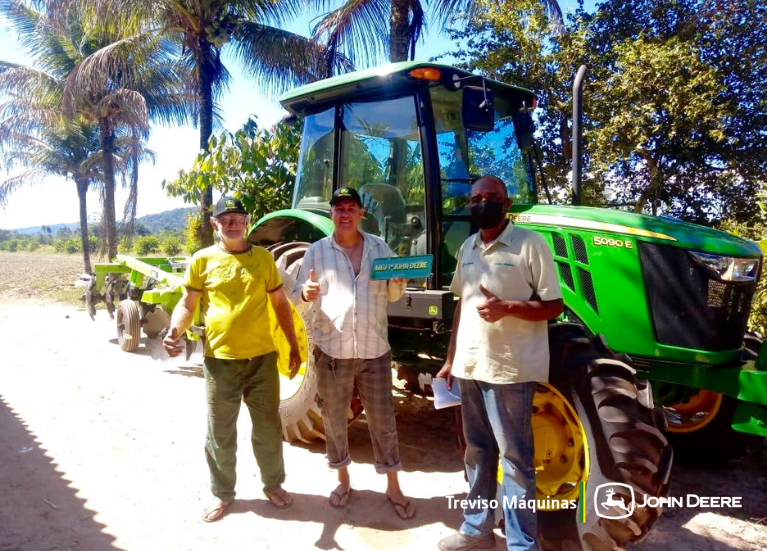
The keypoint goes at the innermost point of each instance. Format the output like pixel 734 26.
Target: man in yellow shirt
pixel 235 280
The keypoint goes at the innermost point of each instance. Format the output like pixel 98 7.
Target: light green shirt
pixel 517 266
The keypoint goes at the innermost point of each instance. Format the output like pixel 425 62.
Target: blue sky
pixel 175 147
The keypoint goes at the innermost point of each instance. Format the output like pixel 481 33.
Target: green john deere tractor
pixel 672 299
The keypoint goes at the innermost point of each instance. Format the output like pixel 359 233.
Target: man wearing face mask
pixel 236 281
pixel 508 287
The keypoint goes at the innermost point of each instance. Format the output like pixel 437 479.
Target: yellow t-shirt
pixel 234 291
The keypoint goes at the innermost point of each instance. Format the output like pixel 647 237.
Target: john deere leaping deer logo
pixel 612 501
pixel 606 502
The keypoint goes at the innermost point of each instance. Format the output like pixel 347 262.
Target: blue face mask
pixel 487 214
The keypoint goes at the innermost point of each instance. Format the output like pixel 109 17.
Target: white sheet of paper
pixel 444 398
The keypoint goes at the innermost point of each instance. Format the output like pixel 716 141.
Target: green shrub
pixel 32 245
pixel 147 244
pixel 171 246
pixel 193 222
pixel 73 245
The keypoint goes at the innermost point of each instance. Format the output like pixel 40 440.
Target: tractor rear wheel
pixel 624 443
pixel 128 325
pixel 300 414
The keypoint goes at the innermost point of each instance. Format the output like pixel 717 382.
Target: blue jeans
pixel 496 421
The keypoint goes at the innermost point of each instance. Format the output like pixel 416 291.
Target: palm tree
pixel 36 136
pixel 113 76
pixel 126 77
pixel 277 58
pixel 360 26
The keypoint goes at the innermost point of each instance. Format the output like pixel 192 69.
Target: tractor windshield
pixel 466 154
pixel 380 157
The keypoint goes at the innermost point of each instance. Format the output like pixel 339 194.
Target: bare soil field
pixel 102 450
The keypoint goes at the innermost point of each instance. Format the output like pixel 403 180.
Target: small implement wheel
pixel 128 325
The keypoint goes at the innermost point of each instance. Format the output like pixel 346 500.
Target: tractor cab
pixel 411 138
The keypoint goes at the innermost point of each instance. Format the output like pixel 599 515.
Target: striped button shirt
pixel 350 314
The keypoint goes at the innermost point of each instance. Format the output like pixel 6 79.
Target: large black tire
pixel 625 441
pixel 300 414
pixel 128 325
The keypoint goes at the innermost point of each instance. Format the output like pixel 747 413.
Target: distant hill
pixel 174 220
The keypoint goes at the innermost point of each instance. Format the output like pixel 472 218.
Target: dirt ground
pixel 100 450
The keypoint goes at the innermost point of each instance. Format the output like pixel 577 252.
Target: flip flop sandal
pixel 402 509
pixel 282 504
pixel 343 498
pixel 212 514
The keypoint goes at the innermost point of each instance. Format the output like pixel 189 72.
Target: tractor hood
pixel 669 231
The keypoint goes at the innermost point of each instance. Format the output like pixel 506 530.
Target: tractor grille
pixel 566 274
pixel 580 249
pixel 560 249
pixel 587 287
pixel 690 309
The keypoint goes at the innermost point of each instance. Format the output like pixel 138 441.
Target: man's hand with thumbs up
pixel 311 289
pixel 493 308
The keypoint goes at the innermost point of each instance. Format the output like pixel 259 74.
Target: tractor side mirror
pixel 478 109
pixel 290 120
pixel 524 128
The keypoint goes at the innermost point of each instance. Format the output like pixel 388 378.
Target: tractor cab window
pixel 314 181
pixel 381 157
pixel 464 155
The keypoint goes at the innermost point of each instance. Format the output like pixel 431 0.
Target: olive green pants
pixel 257 383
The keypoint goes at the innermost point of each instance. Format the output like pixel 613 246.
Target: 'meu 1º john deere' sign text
pixel 407 267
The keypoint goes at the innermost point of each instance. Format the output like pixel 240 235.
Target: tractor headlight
pixel 727 268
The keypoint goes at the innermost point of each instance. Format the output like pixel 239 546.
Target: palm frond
pixel 359 28
pixel 416 27
pixel 124 106
pixel 12 183
pixel 278 58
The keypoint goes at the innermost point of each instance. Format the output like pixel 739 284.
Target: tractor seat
pixel 385 204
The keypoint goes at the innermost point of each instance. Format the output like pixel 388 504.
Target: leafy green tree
pixel 147 244
pixel 667 127
pixel 171 246
pixel 256 165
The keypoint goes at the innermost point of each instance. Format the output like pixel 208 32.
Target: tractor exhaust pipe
pixel 578 133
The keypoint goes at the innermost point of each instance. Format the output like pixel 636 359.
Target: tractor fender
pixel 290 225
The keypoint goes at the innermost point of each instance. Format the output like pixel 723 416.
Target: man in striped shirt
pixel 351 342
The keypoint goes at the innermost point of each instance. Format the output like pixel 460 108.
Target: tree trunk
pixel 129 215
pixel 654 179
pixel 82 192
pixel 205 231
pixel 107 149
pixel 399 31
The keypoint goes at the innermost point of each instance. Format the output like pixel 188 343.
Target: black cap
pixel 345 194
pixel 226 205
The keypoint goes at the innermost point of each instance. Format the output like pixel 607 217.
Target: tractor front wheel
pixel 623 448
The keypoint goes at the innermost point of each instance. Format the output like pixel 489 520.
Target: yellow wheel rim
pixel 288 386
pixel 561 450
pixel 695 413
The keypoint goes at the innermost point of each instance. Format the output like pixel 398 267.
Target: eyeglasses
pixel 232 219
